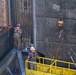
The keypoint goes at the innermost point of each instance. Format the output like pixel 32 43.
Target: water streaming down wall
pixel 22 13
pixel 47 16
pixel 17 11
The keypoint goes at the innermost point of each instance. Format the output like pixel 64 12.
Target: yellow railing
pixel 64 68
pixel 53 67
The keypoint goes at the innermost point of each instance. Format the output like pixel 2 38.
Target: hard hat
pixel 60 23
pixel 19 25
pixel 32 48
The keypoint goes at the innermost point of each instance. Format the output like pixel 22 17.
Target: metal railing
pixel 56 67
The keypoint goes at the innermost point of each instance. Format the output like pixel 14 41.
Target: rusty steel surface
pixel 6 39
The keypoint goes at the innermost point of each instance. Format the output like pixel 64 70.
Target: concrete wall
pixel 22 13
pixel 47 15
pixel 3 13
pixel 0 14
pixel 17 9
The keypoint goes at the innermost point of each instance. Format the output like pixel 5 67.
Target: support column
pixel 9 12
pixel 34 22
pixel 8 69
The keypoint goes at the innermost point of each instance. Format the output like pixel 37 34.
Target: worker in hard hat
pixel 17 35
pixel 32 57
pixel 60 24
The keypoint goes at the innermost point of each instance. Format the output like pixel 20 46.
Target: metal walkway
pixel 21 62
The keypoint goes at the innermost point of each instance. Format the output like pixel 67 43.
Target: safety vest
pixel 60 23
pixel 17 30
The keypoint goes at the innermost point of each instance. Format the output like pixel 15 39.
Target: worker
pixel 61 38
pixel 60 24
pixel 32 57
pixel 17 35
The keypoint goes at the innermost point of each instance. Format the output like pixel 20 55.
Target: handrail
pixel 64 62
pixel 54 61
pixel 53 68
pixel 40 67
pixel 44 59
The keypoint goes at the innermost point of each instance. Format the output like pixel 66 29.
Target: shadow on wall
pixel 40 54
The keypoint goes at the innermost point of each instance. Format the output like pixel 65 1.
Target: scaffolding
pixel 53 67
